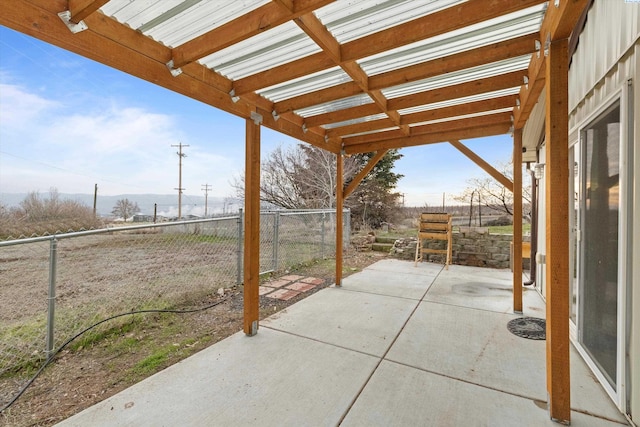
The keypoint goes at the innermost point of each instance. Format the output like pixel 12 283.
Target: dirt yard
pixel 94 368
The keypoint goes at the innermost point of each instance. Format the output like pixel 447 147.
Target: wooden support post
pixel 339 221
pixel 517 221
pixel 557 231
pixel 252 228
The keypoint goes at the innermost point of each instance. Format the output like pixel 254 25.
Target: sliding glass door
pixel 599 244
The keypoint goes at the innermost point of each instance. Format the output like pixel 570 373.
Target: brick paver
pixel 299 286
pixel 283 294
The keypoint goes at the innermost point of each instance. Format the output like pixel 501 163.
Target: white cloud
pixel 123 149
pixel 19 108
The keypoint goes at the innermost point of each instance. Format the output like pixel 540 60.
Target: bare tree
pixel 304 177
pixel 301 177
pixel 494 195
pixel 124 208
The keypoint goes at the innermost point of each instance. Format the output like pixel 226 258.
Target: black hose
pixel 67 342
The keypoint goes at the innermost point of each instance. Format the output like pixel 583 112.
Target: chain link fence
pixel 52 287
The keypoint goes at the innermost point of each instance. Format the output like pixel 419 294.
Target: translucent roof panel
pixel 506 27
pixel 355 121
pixel 309 83
pixel 348 20
pixel 457 77
pixel 459 101
pixel 341 104
pixel 173 22
pixel 280 45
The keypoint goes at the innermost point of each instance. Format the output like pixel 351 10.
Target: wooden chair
pixel 434 226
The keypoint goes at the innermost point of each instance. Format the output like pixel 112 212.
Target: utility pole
pixel 180 189
pixel 95 200
pixel 206 188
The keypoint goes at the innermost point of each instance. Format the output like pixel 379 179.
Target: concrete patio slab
pixel 390 283
pixel 371 356
pixel 472 345
pixel 399 266
pixel 391 399
pixel 354 320
pixel 482 288
pixel 271 379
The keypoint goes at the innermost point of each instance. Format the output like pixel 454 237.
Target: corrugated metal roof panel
pixel 457 77
pixel 370 132
pixel 493 31
pixel 459 101
pixel 174 22
pixel 310 83
pixel 341 104
pixel 350 20
pixel 464 116
pixel 280 45
pixel 355 121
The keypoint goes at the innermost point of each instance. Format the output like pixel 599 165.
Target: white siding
pixel 611 30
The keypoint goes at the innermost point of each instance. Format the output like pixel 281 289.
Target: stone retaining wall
pixel 468 248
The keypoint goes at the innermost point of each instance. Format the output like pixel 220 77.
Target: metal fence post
pixel 239 251
pixel 347 224
pixel 276 239
pixel 53 262
pixel 322 232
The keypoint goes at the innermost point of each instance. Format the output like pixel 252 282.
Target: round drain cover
pixel 528 327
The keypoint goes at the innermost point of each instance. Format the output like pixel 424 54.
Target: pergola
pixel 352 77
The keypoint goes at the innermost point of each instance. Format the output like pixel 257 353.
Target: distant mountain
pixel 167 204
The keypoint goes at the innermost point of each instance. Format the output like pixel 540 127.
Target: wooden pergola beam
pixel 439 127
pixel 493 172
pixel 558 22
pixel 363 173
pixel 360 127
pixel 80 9
pixel 342 115
pixel 443 21
pixel 285 72
pixel 463 109
pixel 482 55
pixel 321 96
pixel 474 107
pixel 434 24
pixel 530 92
pixel 319 34
pixel 312 26
pixel 127 50
pixel 255 22
pixel 488 84
pixel 432 138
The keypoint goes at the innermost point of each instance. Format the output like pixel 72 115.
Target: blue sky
pixel 68 122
